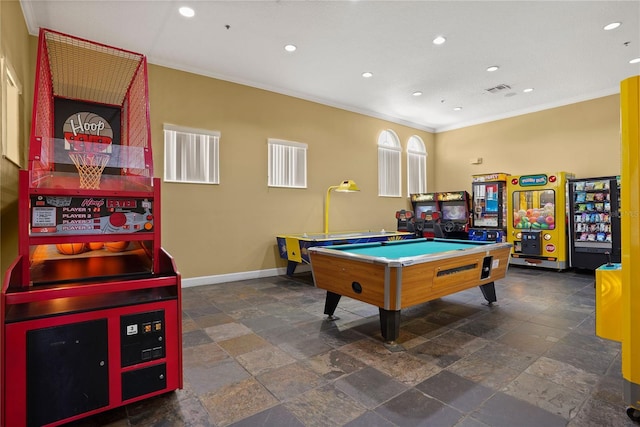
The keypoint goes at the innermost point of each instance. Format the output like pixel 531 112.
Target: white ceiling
pixel 559 48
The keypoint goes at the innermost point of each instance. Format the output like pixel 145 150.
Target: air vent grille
pixel 499 88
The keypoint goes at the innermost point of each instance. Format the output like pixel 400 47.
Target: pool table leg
pixel 489 292
pixel 389 324
pixel 331 303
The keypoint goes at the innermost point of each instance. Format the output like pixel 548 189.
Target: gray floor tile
pixel 261 352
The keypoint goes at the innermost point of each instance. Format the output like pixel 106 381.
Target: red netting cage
pixel 90 124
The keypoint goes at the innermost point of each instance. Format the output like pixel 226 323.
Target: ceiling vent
pixel 499 88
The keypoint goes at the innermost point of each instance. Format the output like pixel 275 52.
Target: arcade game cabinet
pixel 455 214
pixel 536 222
pixel 405 221
pixel 91 307
pixel 425 213
pixel 489 207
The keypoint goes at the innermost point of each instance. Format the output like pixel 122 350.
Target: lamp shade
pixel 347 186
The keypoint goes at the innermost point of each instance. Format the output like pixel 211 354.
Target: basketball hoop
pixel 90 167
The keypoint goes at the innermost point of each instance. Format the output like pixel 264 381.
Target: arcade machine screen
pixel 424 208
pixel 455 219
pixel 454 213
pixel 425 219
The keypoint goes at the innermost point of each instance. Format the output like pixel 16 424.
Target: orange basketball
pixel 116 246
pixel 70 248
pixel 94 246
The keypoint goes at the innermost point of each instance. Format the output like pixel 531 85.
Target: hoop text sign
pixel 87 132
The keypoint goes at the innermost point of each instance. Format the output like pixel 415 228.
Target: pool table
pixel 399 274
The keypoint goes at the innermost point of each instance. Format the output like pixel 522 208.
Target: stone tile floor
pixel 261 353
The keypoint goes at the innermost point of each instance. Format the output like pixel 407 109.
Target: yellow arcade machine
pixel 536 220
pixel 618 285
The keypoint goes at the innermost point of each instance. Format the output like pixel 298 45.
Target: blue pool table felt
pixel 407 248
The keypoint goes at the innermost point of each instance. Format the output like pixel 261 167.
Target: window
pixel 287 164
pixel 416 166
pixel 389 173
pixel 191 155
pixel 11 92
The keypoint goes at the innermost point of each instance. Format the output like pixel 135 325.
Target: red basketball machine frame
pixel 87 332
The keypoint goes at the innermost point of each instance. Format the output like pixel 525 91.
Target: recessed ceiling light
pixel 367 74
pixel 290 48
pixel 457 108
pixel 493 68
pixel 187 12
pixel 527 90
pixel 439 40
pixel 634 61
pixel 611 26
pixel 417 93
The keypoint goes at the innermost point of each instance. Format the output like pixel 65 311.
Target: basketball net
pixel 90 167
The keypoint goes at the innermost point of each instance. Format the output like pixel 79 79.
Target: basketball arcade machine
pixel 88 325
pixel 536 220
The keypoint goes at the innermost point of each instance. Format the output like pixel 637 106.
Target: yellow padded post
pixel 630 236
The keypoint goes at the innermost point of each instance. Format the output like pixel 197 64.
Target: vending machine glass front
pixel 486 205
pixel 534 209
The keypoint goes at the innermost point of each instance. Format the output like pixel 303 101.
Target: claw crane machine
pixel 536 220
pixel 489 207
pixel 91 307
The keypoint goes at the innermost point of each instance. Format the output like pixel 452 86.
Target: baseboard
pixel 244 275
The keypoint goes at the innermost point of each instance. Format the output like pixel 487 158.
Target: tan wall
pixel 582 138
pixel 231 227
pixel 14 46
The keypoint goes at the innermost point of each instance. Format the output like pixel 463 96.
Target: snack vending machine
pixel 90 310
pixel 489 207
pixel 536 220
pixel 594 221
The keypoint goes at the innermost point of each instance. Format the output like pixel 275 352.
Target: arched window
pixel 416 166
pixel 389 170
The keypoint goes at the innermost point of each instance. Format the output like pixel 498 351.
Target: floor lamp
pixel 346 186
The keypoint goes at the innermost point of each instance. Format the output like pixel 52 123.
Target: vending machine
pixel 489 207
pixel 594 222
pixel 537 220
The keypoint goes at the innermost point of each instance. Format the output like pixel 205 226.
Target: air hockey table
pixel 295 247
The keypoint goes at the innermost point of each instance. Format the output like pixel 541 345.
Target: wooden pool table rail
pixel 392 285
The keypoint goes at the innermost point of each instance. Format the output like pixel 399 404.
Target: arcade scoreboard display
pixel 91 307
